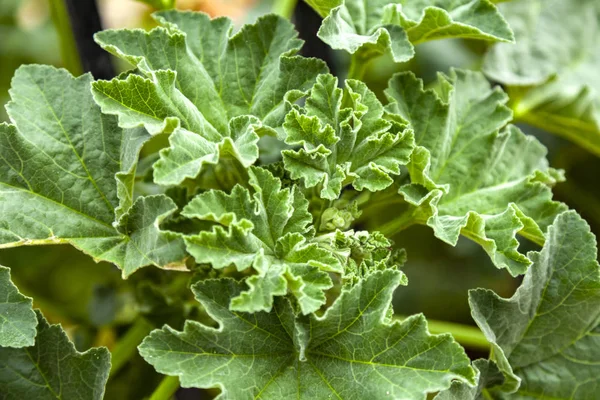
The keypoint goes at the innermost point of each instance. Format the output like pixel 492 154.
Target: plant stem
pixel 468 336
pixel 166 389
pixel 396 225
pixel 285 8
pixel 358 66
pixel 127 345
pixel 68 47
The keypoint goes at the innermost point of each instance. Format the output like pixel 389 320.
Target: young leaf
pixel 467 176
pixel 553 83
pixel 52 368
pixel 351 352
pixel 266 230
pixel 547 336
pixel 57 176
pixel 392 26
pixel 17 319
pixel 343 145
pixel 197 78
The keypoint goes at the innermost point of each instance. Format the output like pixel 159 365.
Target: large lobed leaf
pixel 17 319
pixel 52 368
pixel 57 176
pixel 395 26
pixel 547 336
pixel 266 229
pixel 217 92
pixel 552 71
pixel 351 352
pixel 344 145
pixel 468 176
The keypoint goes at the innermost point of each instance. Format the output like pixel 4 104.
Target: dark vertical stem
pixel 85 21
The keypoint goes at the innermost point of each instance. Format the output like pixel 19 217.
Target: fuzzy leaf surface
pixel 553 83
pixel 343 145
pixel 469 176
pixel 52 368
pixel 395 26
pixel 66 176
pixel 17 319
pixel 266 229
pixel 351 352
pixel 547 336
pixel 197 80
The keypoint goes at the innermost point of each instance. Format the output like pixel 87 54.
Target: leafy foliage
pixel 17 319
pixel 389 26
pixel 273 192
pixel 546 335
pixel 342 145
pixel 195 81
pixel 52 368
pixel 351 352
pixel 548 87
pixel 267 230
pixel 66 175
pixel 467 175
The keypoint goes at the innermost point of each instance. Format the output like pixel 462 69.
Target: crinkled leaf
pixel 57 176
pixel 467 176
pixel 488 375
pixel 547 336
pixel 553 83
pixel 17 319
pixel 351 352
pixel 196 78
pixel 343 145
pixel 266 229
pixel 52 368
pixel 393 26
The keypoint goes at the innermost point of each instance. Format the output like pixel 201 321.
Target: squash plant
pixel 258 204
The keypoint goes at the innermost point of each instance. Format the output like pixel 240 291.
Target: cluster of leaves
pixel 299 296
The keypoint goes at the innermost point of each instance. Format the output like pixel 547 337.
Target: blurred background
pixel 91 300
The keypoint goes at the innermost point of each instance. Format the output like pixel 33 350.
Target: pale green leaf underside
pixel 57 176
pixel 52 369
pixel 344 145
pixel 17 319
pixel 394 26
pixel 488 376
pixel 548 334
pixel 351 352
pixel 553 83
pixel 468 177
pixel 266 229
pixel 196 78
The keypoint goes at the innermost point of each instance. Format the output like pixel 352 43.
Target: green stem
pixel 127 345
pixel 397 225
pixel 68 47
pixel 466 335
pixel 285 8
pixel 166 389
pixel 358 67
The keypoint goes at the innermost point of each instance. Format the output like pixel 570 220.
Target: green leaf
pixel 52 368
pixel 266 229
pixel 351 352
pixel 159 4
pixel 217 92
pixel 17 319
pixel 391 26
pixel 343 145
pixel 488 375
pixel 57 176
pixel 553 83
pixel 468 177
pixel 547 336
